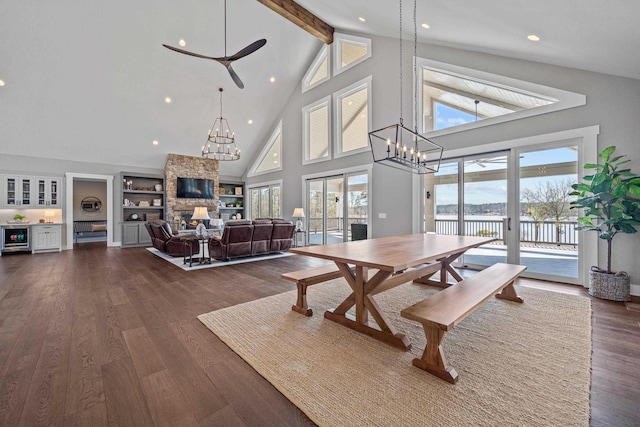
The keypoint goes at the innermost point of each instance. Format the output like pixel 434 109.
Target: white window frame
pixel 323 53
pixel 270 184
pixel 337 117
pixel 565 98
pixel 265 150
pixel 363 169
pixel 338 38
pixel 326 101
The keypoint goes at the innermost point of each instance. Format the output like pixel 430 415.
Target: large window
pixel 316 127
pixel 456 98
pixel 270 159
pixel 265 200
pixel 353 115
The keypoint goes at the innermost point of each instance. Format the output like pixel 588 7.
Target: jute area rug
pixel 518 364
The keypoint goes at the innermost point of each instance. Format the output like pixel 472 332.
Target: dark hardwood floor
pixel 109 336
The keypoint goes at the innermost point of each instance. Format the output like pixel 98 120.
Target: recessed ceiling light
pixel 361 19
pixel 155 142
pixel 167 100
pixel 275 154
pixel 426 26
pixel 250 121
pixel 533 37
pixel 1 83
pixel 272 79
pixel 182 42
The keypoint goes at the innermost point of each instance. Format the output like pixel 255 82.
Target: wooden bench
pixel 81 228
pixel 306 278
pixel 441 312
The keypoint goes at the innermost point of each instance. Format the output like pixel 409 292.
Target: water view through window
pixel 547 239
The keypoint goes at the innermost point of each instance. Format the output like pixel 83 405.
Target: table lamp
pixel 200 213
pixel 298 213
pixel 48 215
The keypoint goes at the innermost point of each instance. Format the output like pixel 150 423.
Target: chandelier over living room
pixel 221 142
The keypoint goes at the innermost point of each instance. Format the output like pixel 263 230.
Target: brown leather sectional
pixel 242 238
pixel 164 241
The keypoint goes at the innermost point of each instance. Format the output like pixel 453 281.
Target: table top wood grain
pixel 394 253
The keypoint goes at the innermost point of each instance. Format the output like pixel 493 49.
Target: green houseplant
pixel 610 198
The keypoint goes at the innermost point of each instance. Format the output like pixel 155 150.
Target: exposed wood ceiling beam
pixel 302 18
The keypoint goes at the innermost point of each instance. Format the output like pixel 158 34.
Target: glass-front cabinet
pixel 31 191
pixel 48 192
pixel 18 191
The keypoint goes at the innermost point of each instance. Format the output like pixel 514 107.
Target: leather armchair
pixel 163 240
pixel 234 242
pixel 261 239
pixel 282 236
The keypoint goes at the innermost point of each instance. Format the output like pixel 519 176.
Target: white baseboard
pixel 635 290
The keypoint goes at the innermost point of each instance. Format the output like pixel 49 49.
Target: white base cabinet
pixel 46 238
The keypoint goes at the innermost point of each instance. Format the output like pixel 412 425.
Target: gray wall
pixel 25 165
pixel 612 103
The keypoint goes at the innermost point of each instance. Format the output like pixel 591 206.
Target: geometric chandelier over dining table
pixel 397 145
pixel 221 141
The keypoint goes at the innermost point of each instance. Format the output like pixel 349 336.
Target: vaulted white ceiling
pixel 87 80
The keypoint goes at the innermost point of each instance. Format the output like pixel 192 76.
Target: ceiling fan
pixel 227 60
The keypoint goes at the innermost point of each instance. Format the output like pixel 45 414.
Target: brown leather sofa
pixel 164 241
pixel 242 238
pixel 282 236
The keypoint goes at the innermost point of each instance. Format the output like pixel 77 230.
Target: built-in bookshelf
pixel 143 199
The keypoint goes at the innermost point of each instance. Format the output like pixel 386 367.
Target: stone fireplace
pixel 189 167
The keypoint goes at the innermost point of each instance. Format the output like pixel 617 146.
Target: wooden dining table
pixel 397 260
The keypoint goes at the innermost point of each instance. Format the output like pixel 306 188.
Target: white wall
pixel 612 103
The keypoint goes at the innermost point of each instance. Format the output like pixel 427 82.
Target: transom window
pixel 454 96
pixel 318 71
pixel 349 51
pixel 270 159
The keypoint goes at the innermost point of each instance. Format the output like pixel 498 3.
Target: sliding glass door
pixel 521 198
pixel 333 204
pixel 265 201
pixel 548 243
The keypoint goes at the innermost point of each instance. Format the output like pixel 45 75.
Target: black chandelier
pixel 221 142
pixel 398 146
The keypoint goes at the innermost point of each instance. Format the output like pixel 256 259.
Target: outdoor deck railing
pixel 541 232
pixel 550 232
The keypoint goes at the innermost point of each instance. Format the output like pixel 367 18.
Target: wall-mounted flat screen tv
pixel 195 188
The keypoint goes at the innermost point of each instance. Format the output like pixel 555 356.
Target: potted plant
pixel 611 202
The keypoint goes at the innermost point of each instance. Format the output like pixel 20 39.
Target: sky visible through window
pixel 447 117
pixel 495 191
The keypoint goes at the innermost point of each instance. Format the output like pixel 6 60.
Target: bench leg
pixel 433 360
pixel 301 305
pixel 509 293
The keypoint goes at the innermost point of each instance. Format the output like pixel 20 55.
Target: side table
pixel 295 238
pixel 204 259
pixel 187 250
